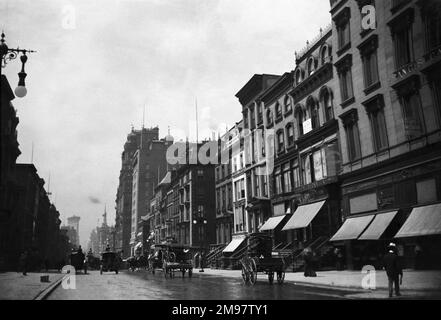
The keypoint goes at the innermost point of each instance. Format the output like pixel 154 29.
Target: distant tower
pixel 74 222
pixel 105 216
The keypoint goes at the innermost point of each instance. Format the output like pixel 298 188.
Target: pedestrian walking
pixel 308 263
pixel 393 269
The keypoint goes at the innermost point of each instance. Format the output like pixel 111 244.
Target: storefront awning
pixel 352 228
pixel 272 223
pixel 378 226
pixel 234 244
pixel 303 216
pixel 422 221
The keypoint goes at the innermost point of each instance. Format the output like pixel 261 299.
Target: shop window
pixel 426 191
pixel 363 203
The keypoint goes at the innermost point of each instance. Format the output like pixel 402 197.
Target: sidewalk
pixel 415 283
pixel 16 286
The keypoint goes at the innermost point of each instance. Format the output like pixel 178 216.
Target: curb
pixel 348 288
pixel 46 292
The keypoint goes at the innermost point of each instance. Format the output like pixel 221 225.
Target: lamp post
pixel 7 54
pixel 202 222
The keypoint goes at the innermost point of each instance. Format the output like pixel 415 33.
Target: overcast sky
pixel 100 61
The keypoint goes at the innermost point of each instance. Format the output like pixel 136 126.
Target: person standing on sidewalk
pixel 393 270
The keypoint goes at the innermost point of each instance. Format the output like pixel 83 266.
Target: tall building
pixel 183 209
pixel 74 223
pixel 388 105
pixel 148 166
pixel 307 151
pixel 9 151
pixel 124 193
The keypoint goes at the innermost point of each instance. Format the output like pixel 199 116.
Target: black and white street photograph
pixel 220 156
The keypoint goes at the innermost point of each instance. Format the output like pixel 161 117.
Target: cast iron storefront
pixel 379 202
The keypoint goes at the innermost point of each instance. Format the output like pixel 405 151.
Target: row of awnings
pixel 301 218
pixel 422 221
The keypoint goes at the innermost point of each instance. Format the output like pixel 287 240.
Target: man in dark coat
pixel 393 269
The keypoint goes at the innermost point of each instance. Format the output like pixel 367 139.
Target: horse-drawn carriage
pixel 171 258
pixel 259 258
pixel 77 259
pixel 109 262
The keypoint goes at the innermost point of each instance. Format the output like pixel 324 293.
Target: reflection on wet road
pixel 144 286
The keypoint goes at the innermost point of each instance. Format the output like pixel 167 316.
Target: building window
pixel 324 55
pixel 368 51
pixel 375 109
pixel 433 27
pixel 287 185
pixel 409 97
pixel 345 76
pixel 245 119
pixel 426 191
pixel 259 114
pixel 326 100
pixel 288 105
pixel 280 141
pixel 278 109
pixel 307 168
pixel 278 181
pixel 342 22
pixel 298 76
pixel 264 185
pixel 252 117
pixel 290 134
pixel 401 28
pixel 312 107
pixel 256 185
pixel 350 123
pixel 295 174
pixel 299 117
pixel 269 117
pixel 311 66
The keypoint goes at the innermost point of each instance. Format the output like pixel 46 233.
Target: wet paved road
pixel 144 286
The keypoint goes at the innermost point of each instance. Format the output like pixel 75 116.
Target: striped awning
pixel 423 221
pixel 303 216
pixel 352 228
pixel 378 226
pixel 272 223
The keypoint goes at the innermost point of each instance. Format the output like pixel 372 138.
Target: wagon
pixel 109 262
pixel 170 259
pixel 259 258
pixel 77 261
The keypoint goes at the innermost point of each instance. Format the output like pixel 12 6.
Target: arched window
pixel 288 106
pixel 312 107
pixel 298 76
pixel 280 141
pixel 278 108
pixel 290 134
pixel 310 66
pixel 269 117
pixel 299 119
pixel 327 103
pixel 323 55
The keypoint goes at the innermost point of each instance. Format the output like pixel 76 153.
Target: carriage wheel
pixel 245 274
pixel 280 276
pixel 271 277
pixel 253 271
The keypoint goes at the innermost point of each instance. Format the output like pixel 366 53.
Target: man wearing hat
pixel 393 269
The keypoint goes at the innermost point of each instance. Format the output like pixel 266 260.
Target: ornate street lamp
pixel 7 54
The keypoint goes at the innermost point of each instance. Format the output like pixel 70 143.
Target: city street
pixel 144 286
